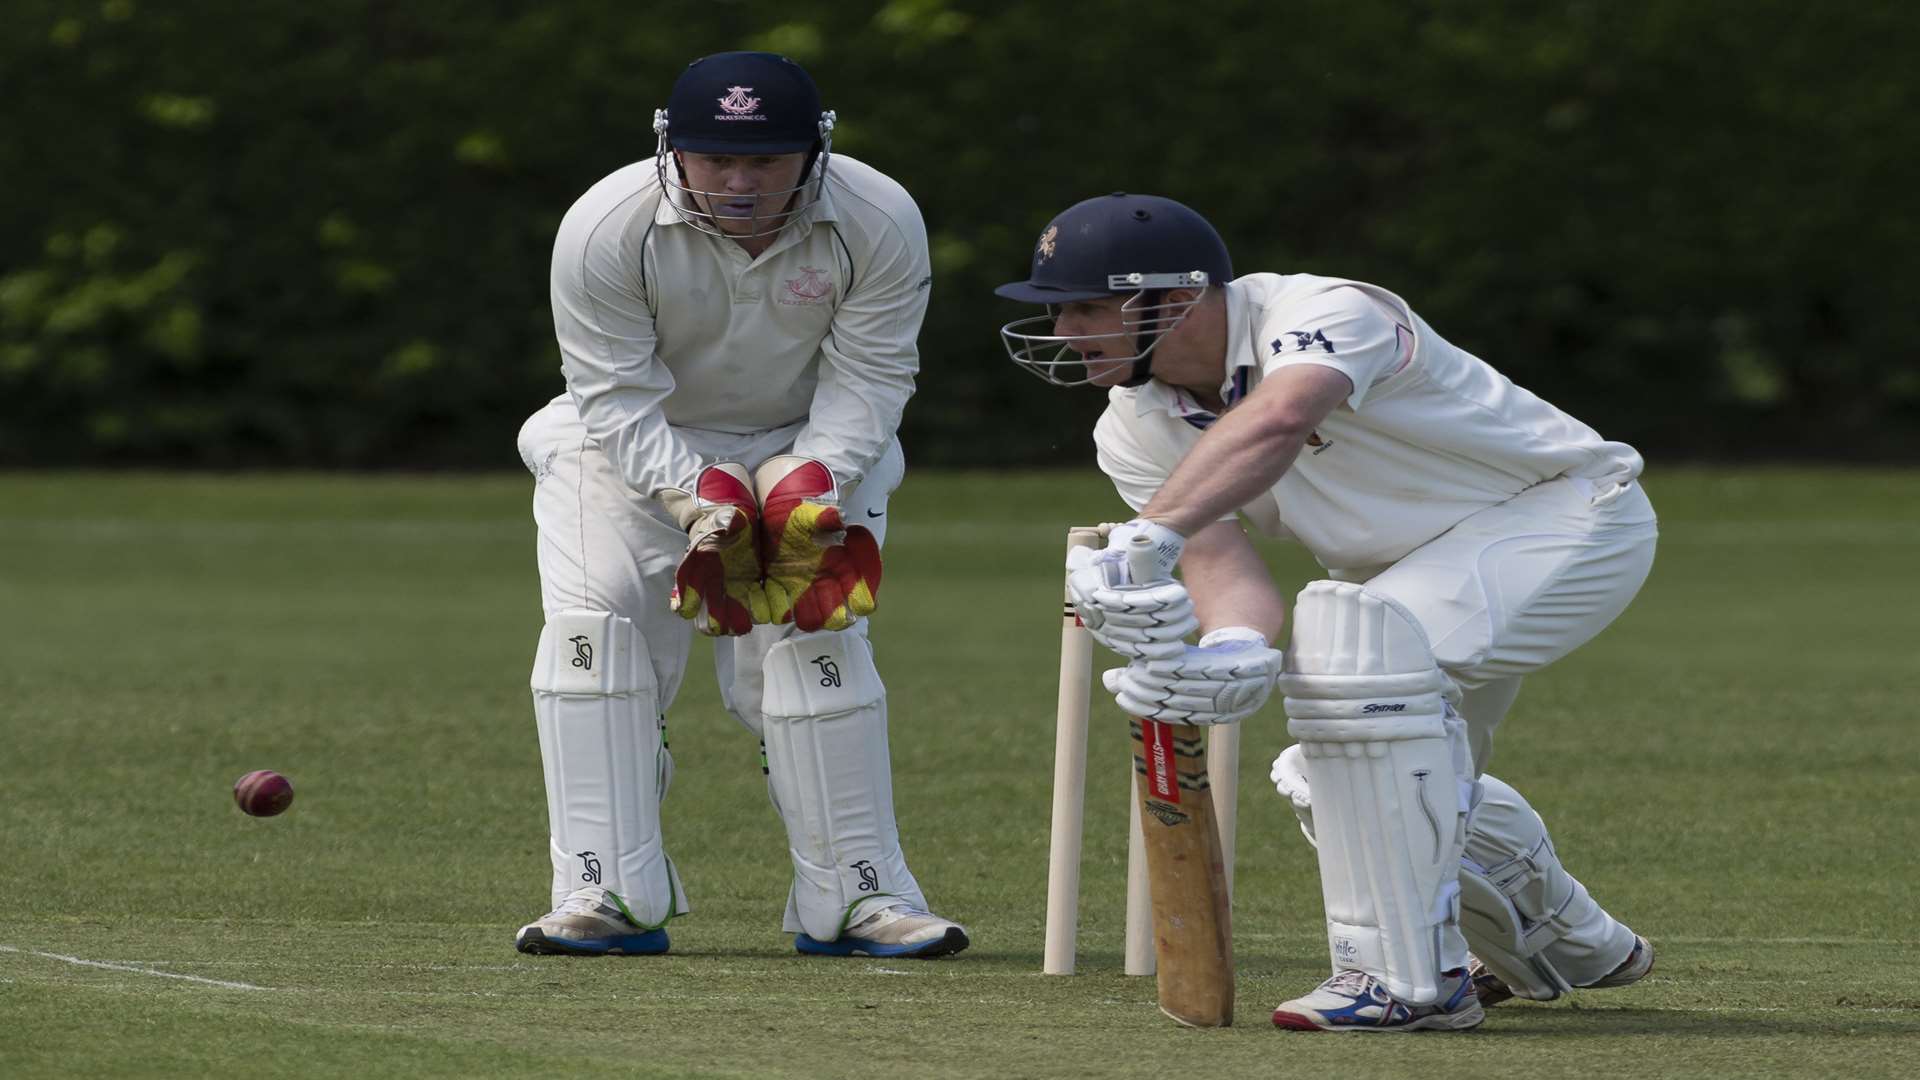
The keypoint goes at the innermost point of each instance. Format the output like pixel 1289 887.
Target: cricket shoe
pixel 1492 990
pixel 1356 1001
pixel 589 922
pixel 894 931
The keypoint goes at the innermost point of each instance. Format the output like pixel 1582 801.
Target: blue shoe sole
pixel 650 943
pixel 954 940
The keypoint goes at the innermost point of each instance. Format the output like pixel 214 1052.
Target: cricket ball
pixel 263 793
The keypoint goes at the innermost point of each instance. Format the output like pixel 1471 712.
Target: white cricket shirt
pixel 1430 435
pixel 673 341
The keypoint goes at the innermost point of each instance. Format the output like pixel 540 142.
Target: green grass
pixel 1731 768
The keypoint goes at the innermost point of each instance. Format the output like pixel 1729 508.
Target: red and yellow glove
pixel 821 574
pixel 721 569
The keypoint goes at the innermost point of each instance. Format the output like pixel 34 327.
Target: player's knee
pixel 589 652
pixel 820 674
pixel 1360 667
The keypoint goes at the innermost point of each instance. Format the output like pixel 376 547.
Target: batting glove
pixel 1139 620
pixel 1224 679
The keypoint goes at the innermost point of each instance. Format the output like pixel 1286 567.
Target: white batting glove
pixel 1224 679
pixel 1289 778
pixel 1138 620
pixel 1167 546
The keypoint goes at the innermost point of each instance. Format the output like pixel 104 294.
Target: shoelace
pixel 1354 983
pixel 576 904
pixel 881 916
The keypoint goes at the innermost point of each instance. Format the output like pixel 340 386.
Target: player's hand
pixel 721 569
pixel 821 574
pixel 1224 679
pixel 1137 620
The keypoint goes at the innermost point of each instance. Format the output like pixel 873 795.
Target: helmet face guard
pixel 695 206
pixel 1141 247
pixel 1145 317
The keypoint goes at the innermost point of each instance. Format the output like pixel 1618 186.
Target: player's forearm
pixel 851 422
pixel 648 452
pixel 1240 458
pixel 868 363
pixel 1229 582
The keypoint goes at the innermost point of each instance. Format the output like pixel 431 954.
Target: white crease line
pixel 1688 1010
pixel 1658 939
pixel 135 969
pixel 1687 940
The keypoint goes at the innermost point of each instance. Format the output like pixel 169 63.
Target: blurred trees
pixel 295 234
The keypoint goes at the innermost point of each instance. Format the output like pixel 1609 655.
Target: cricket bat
pixel 1186 876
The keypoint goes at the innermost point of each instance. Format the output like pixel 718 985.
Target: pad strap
pixel 1529 920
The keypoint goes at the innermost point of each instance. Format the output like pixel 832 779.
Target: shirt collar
pixel 1243 353
pixel 1242 366
pixel 1156 396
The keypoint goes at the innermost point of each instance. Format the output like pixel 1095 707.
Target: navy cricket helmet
pixel 1138 246
pixel 743 104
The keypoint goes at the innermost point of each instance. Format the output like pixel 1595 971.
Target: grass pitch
pixel 1731 768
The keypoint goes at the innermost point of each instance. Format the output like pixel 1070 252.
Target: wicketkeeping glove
pixel 721 568
pixel 1226 678
pixel 821 574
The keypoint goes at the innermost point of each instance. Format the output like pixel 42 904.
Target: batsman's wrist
pixel 1234 633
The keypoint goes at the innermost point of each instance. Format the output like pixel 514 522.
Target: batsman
pixel 1470 534
pixel 737 319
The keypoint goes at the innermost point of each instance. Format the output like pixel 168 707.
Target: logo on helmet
pixel 1047 241
pixel 737 102
pixel 739 106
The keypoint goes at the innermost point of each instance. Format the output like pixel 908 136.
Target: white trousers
pixel 1501 595
pixel 605 547
pixel 1519 585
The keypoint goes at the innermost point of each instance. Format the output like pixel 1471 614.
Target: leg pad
pixel 605 762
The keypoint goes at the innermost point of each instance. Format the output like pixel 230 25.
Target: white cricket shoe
pixel 893 931
pixel 589 922
pixel 1356 1001
pixel 1492 990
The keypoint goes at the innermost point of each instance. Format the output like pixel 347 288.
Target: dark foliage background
pixel 295 234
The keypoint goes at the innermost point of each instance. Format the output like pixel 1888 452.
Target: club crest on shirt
pixel 1302 341
pixel 813 286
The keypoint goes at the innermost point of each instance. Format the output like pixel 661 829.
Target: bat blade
pixel 1192 921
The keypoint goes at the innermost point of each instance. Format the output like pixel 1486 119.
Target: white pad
pixel 1526 917
pixel 1391 776
pixel 1529 920
pixel 825 715
pixel 607 766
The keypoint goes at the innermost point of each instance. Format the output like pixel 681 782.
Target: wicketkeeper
pixel 737 320
pixel 1471 534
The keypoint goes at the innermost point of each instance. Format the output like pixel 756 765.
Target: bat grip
pixel 1143 567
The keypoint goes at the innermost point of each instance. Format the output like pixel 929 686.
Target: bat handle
pixel 1143 566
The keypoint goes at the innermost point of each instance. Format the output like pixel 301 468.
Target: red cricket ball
pixel 263 793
